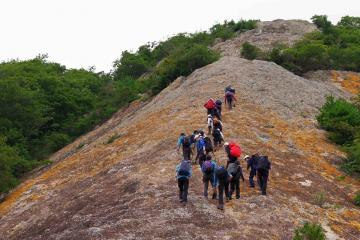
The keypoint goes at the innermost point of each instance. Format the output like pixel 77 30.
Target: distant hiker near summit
pixel 230 97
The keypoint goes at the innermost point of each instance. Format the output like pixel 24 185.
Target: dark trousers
pixel 187 153
pixel 262 180
pixel 206 179
pixel 235 186
pixel 183 184
pixel 230 103
pixel 201 157
pixel 223 187
pixel 251 177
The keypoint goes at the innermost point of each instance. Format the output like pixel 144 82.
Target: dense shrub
pixel 250 51
pixel 309 231
pixel 342 120
pixel 335 47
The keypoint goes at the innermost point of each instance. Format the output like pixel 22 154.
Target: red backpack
pixel 210 104
pixel 235 149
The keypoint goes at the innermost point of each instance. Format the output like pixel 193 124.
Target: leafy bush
pixel 309 231
pixel 335 47
pixel 250 51
pixel 342 120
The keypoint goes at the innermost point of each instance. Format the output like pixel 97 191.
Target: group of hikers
pixel 224 179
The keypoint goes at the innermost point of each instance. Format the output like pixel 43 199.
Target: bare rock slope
pixel 126 189
pixel 267 35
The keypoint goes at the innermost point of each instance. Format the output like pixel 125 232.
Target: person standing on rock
pixel 235 171
pixel 251 164
pixel 183 174
pixel 263 167
pixel 185 142
pixel 208 169
pixel 223 185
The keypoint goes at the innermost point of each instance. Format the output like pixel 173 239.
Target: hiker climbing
pixel 209 148
pixel 223 185
pixel 233 152
pixel 263 167
pixel 183 174
pixel 217 124
pixel 218 138
pixel 208 169
pixel 210 123
pixel 230 97
pixel 200 147
pixel 185 142
pixel 218 106
pixel 210 106
pixel 235 171
pixel 251 164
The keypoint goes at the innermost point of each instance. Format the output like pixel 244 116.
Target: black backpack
pixel 186 142
pixel 208 145
pixel 184 169
pixel 263 163
pixel 216 134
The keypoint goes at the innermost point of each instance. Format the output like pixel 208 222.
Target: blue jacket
pixel 182 176
pixel 213 175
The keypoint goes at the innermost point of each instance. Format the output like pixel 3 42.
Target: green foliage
pixel 342 120
pixel 322 23
pixel 357 199
pixel 250 51
pixel 335 47
pixel 309 231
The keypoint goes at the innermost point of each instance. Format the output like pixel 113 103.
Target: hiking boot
pixel 181 200
pixel 220 206
pixel 251 186
pixel 237 197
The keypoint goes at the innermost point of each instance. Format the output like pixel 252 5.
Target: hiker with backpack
pixel 233 152
pixel 223 185
pixel 218 105
pixel 185 142
pixel 208 169
pixel 200 147
pixel 263 167
pixel 217 123
pixel 235 171
pixel 210 123
pixel 251 164
pixel 183 174
pixel 210 106
pixel 209 148
pixel 230 99
pixel 218 137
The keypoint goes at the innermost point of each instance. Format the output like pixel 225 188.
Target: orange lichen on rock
pixel 349 81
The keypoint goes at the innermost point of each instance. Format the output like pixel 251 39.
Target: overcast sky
pixel 84 33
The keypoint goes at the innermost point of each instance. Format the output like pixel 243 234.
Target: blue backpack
pixel 200 144
pixel 184 169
